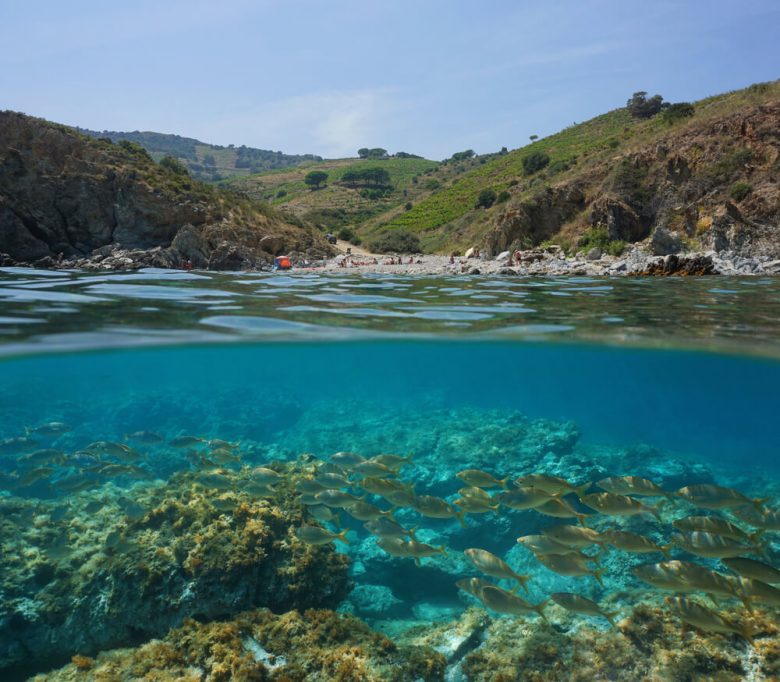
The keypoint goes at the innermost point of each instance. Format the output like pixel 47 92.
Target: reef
pixel 114 567
pixel 310 646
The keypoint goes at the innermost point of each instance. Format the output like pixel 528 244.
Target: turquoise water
pixel 674 380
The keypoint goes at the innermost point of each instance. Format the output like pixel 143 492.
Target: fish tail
pixel 756 537
pixel 539 608
pixel 504 482
pixel 747 634
pixel 417 561
pixel 759 503
pixel 610 616
pixel 581 518
pixel 442 549
pixel 746 603
pixel 522 580
pixel 666 549
pixel 714 599
pixel 461 516
pixel 343 536
pixel 597 575
pixel 412 531
pixel 580 490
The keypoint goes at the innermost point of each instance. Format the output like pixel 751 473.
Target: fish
pixel 705 619
pixel 409 549
pixel 49 429
pixel 185 441
pixel 612 504
pixel 560 509
pixel 331 481
pixel 387 528
pixel 475 505
pixel 395 462
pixel 347 459
pixel 481 479
pixel 10 446
pixel 224 503
pixel 145 437
pixel 45 456
pixel 113 470
pixel 401 498
pixel 108 447
pixel 76 482
pixel 336 498
pixel 717 525
pixel 93 506
pixel 258 489
pixel 494 566
pixel 686 577
pixel 526 497
pixel 132 509
pixel 633 542
pixel 266 476
pixel 373 469
pixel 224 456
pixel 579 604
pixel 324 514
pixel 309 499
pixel 751 590
pixel 632 485
pixel 750 568
pixel 766 519
pixel 436 508
pixel 383 486
pixel 712 546
pixel 574 536
pixel 316 535
pixel 216 480
pixel 659 576
pixel 542 544
pixel 365 511
pixel 571 564
pixel 308 485
pixel 478 493
pixel 709 496
pixel 473 586
pixel 36 475
pixel 332 468
pixel 555 485
pixel 219 444
pixel 502 601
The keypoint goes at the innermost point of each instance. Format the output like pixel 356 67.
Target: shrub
pixel 432 185
pixel 513 183
pixel 485 199
pixel 502 197
pixel 598 237
pixel 740 190
pixel 408 206
pixel 281 193
pixel 639 106
pixel 173 165
pixel 346 234
pixel 315 178
pixel 396 241
pixel 559 166
pixel 758 88
pixel 535 162
pixel 135 149
pixel 677 112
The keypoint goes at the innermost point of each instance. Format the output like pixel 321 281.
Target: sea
pixel 141 412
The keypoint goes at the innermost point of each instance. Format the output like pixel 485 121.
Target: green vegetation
pixel 678 112
pixel 740 190
pixel 375 153
pixel 598 237
pixel 396 241
pixel 378 177
pixel 485 199
pixel 534 162
pixel 639 106
pixel 174 165
pixel 461 156
pixel 315 178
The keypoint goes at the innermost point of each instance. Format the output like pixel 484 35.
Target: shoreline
pixel 549 261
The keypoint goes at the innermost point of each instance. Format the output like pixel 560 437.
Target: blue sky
pixel 327 77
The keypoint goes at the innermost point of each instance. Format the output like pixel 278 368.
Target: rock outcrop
pixel 64 193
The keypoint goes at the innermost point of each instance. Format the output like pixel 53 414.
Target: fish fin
pixel 503 482
pixel 654 511
pixel 759 503
pixel 580 490
pixel 343 536
pixel 714 599
pixel 666 549
pixel 417 561
pixel 581 518
pixel 539 608
pixel 442 549
pixel 522 580
pixel 610 616
pixel 755 537
pixel 597 575
pixel 746 603
pixel 412 531
pixel 337 520
pixel 461 516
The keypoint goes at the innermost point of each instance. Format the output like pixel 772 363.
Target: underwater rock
pixel 377 601
pixel 313 646
pixel 98 578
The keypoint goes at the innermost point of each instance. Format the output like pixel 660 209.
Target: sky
pixel 429 77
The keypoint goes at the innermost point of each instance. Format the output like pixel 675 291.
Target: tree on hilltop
pixel 315 178
pixel 639 106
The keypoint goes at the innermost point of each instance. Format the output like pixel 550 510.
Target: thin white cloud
pixel 332 124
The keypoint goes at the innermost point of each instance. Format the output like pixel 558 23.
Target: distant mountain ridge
pixel 204 161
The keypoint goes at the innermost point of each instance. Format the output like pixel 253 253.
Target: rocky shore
pixel 548 261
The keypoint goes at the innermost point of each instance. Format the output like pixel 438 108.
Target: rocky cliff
pixel 64 193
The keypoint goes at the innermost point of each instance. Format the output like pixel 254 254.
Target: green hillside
pixel 209 162
pixel 339 203
pixel 582 153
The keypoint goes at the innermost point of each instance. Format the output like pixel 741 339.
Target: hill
pixel 208 162
pixel 706 181
pixel 340 203
pixel 62 192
